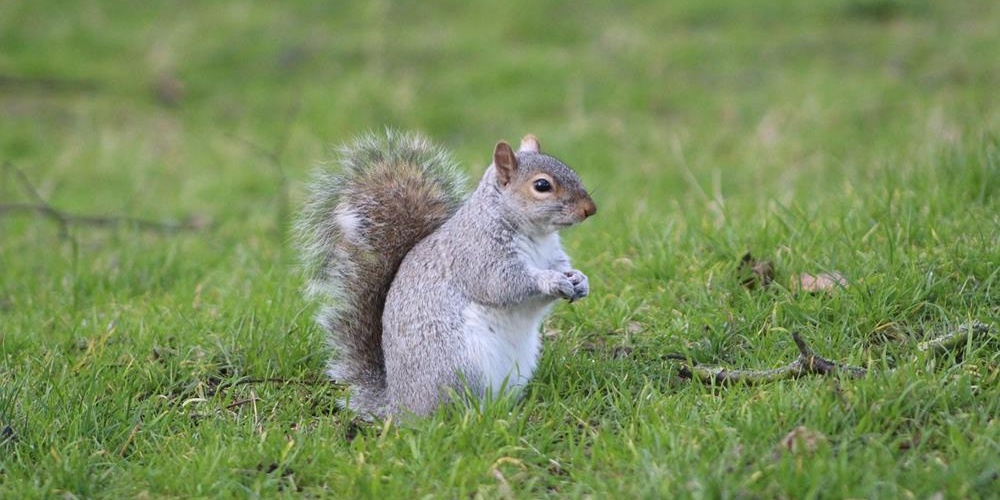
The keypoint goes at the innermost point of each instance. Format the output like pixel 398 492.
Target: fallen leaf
pixel 621 352
pixel 801 440
pixel 624 262
pixel 169 90
pixel 822 282
pixel 754 273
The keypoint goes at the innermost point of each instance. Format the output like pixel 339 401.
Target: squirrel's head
pixel 545 194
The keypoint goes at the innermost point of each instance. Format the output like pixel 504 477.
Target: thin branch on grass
pixel 241 402
pixel 215 387
pixel 64 220
pixel 35 84
pixel 955 338
pixel 808 363
pixel 273 380
pixel 273 157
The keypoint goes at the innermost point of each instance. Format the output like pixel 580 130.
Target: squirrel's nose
pixel 588 208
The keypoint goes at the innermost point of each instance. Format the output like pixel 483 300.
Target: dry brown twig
pixel 810 363
pixel 970 330
pixel 273 156
pixel 64 220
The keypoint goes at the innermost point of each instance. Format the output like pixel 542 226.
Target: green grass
pixel 859 136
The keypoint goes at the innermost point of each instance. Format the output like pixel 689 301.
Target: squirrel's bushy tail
pixel 391 191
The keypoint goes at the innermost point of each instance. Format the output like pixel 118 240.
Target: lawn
pixel 153 337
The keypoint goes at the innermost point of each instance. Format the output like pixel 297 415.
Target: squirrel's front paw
pixel 556 284
pixel 581 286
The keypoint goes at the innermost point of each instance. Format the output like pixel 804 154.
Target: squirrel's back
pixel 390 192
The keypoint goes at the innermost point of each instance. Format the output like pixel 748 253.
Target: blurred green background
pixel 173 99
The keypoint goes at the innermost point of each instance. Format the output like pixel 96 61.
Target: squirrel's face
pixel 544 193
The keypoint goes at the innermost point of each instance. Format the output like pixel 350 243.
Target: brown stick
pixel 955 338
pixel 67 219
pixel 808 363
pixel 43 208
pixel 273 157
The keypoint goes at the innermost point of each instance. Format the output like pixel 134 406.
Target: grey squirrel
pixel 426 292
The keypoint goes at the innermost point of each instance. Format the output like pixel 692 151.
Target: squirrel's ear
pixel 530 144
pixel 505 163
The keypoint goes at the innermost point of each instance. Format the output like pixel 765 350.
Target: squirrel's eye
pixel 543 186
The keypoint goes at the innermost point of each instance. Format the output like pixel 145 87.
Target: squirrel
pixel 427 293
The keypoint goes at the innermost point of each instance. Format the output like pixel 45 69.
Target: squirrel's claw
pixel 581 285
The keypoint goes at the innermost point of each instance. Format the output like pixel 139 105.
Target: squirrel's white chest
pixel 541 253
pixel 506 342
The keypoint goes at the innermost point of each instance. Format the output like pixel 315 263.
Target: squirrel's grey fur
pixel 424 292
